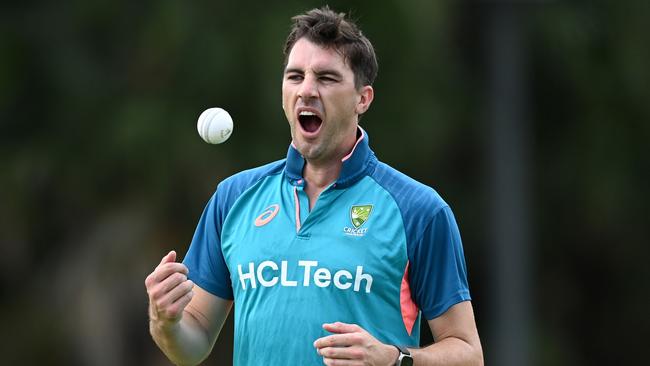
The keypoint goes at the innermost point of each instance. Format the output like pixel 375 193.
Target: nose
pixel 308 87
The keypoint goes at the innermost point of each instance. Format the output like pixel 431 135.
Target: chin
pixel 308 151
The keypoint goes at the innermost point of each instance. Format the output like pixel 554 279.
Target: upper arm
pixel 457 322
pixel 438 274
pixel 204 259
pixel 209 311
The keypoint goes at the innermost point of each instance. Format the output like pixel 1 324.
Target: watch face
pixel 407 361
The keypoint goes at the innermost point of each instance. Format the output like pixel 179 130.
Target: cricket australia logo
pixel 359 214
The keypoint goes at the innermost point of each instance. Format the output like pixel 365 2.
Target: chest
pixel 352 239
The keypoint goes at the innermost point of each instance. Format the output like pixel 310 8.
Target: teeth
pixel 306 113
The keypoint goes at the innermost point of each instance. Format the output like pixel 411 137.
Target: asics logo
pixel 268 215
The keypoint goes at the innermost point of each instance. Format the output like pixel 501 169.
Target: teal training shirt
pixel 378 249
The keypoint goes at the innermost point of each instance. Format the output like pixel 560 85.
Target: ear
pixel 366 95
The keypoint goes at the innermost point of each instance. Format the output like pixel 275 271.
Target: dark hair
pixel 326 28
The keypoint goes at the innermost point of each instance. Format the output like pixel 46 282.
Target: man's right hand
pixel 169 291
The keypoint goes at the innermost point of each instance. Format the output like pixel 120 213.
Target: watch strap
pixel 403 352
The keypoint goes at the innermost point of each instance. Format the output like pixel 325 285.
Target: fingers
pixel 169 289
pixel 339 340
pixel 343 353
pixel 171 305
pixel 170 257
pixel 350 345
pixel 339 327
pixel 165 270
pixel 171 286
pixel 345 335
pixel 179 291
pixel 342 362
pixel 175 310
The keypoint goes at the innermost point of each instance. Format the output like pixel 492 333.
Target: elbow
pixel 180 361
pixel 479 361
pixel 478 355
pixel 186 361
pixel 473 355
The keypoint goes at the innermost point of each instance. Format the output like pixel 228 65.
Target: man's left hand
pixel 352 345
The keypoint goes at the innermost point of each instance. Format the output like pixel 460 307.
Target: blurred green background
pixel 102 170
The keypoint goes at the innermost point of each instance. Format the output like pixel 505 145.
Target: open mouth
pixel 309 121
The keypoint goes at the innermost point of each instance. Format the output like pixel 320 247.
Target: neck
pixel 320 174
pixel 318 177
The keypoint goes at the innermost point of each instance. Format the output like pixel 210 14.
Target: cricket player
pixel 329 255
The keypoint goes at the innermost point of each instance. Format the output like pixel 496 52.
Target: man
pixel 329 255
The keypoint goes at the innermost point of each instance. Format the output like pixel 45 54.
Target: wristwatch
pixel 404 358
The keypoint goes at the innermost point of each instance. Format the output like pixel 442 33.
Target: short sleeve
pixel 438 275
pixel 204 259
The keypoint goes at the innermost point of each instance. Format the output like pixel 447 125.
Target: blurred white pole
pixel 509 159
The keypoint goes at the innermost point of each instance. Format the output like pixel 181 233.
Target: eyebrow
pixel 293 69
pixel 318 73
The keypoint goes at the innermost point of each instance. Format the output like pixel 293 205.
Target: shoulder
pixel 232 187
pixel 412 197
pixel 249 177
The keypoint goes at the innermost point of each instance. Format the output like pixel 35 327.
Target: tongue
pixel 311 123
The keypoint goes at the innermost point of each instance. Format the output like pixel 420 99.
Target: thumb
pixel 169 258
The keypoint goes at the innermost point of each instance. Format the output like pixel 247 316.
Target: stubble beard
pixel 311 151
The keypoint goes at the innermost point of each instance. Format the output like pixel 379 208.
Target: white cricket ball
pixel 214 125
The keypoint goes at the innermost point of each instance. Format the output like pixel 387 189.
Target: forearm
pixel 184 343
pixel 449 352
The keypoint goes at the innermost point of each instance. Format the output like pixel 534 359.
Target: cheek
pixel 284 99
pixel 344 105
pixel 286 92
pixel 287 105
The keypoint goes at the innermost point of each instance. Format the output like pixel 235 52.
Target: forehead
pixel 307 55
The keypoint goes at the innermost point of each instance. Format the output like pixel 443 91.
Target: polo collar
pixel 356 165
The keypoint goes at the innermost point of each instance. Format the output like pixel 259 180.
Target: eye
pixel 294 77
pixel 327 79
